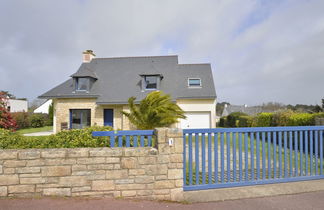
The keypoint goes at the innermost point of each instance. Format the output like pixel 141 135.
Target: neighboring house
pixel 253 110
pixel 98 92
pixel 17 105
pixel 43 108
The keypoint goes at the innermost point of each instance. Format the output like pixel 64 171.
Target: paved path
pixel 42 133
pixel 303 201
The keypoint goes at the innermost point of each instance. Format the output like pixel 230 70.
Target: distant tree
pixel 51 113
pixel 323 104
pixel 272 106
pixel 155 110
pixel 317 109
pixel 6 120
pixel 220 107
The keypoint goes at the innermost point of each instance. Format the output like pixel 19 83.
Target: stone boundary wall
pixel 149 173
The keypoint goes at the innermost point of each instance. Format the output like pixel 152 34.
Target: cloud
pixel 260 50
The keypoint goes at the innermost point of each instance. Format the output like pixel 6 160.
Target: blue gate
pixel 230 157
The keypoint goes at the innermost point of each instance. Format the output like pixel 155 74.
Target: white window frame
pixel 194 86
pixel 157 82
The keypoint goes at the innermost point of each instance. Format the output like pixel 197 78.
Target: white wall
pixel 199 105
pixel 44 107
pixel 18 105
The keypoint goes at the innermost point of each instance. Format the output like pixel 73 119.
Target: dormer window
pixel 151 82
pixel 82 84
pixel 194 82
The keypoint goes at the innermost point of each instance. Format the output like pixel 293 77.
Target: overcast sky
pixel 260 50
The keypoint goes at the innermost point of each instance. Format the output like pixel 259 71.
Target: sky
pixel 260 50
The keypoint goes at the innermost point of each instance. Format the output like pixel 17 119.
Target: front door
pixel 109 117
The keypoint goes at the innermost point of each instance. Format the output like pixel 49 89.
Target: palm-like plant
pixel 155 110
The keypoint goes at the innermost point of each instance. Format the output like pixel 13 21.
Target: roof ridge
pixel 153 56
pixel 184 64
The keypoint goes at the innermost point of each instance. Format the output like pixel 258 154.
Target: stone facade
pixel 62 112
pixel 148 173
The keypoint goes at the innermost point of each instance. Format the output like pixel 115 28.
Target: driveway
pixel 42 133
pixel 313 200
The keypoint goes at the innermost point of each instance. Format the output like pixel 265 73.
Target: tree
pixel 323 104
pixel 6 120
pixel 155 110
pixel 51 113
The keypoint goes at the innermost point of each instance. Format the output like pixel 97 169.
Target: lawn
pixel 34 130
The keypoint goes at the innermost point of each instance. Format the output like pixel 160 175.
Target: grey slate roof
pixel 119 78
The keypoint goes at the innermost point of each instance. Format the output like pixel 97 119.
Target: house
pixel 99 90
pixel 17 105
pixel 43 108
pixel 252 110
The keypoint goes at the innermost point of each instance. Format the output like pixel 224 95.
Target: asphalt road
pixel 305 201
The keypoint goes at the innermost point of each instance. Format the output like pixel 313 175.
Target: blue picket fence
pixel 229 157
pixel 131 138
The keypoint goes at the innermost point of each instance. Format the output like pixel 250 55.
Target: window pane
pixel 194 82
pixel 82 83
pixel 80 118
pixel 151 82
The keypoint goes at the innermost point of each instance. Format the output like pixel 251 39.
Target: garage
pixel 196 120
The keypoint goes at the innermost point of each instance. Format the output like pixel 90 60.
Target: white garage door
pixel 196 120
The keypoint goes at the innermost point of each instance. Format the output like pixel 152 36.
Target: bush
pixel 22 119
pixel 79 138
pixel 317 116
pixel 63 139
pixel 9 140
pixel 232 119
pixel 301 119
pixel 37 120
pixel 223 122
pixel 263 120
pixel 245 121
pixel 282 118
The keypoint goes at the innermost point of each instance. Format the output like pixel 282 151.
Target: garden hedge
pixel 63 139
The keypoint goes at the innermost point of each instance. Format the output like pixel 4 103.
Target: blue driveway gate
pixel 230 157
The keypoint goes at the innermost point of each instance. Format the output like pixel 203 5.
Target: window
pixel 151 82
pixel 194 82
pixel 82 84
pixel 80 118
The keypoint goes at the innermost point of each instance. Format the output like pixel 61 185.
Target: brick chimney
pixel 87 56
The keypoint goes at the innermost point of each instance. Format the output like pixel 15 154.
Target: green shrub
pixel 223 122
pixel 301 119
pixel 22 119
pixel 79 138
pixel 282 118
pixel 245 121
pixel 317 116
pixel 8 139
pixel 37 120
pixel 232 119
pixel 64 139
pixel 263 120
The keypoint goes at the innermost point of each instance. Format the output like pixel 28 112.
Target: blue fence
pixel 229 157
pixel 132 138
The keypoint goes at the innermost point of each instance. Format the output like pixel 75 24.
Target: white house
pixel 44 107
pixel 17 105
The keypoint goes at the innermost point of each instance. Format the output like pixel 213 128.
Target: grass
pixel 34 130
